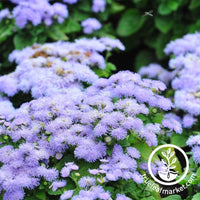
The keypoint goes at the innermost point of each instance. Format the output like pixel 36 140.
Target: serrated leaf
pixel 130 23
pixel 164 24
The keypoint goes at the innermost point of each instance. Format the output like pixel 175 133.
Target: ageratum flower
pixel 74 124
pixel 90 25
pixel 55 68
pixel 37 12
pixel 98 5
pixel 186 83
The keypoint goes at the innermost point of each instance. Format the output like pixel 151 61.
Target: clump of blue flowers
pixel 56 68
pixel 183 77
pixel 74 144
pixel 36 12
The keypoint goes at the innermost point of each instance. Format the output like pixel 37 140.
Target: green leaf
pixel 157 118
pixel 164 24
pixel 173 197
pixel 55 32
pixel 110 66
pixel 198 173
pixel 148 198
pixel 5 31
pixel 179 140
pixel 130 23
pixel 163 9
pixel 116 7
pixel 101 73
pixel 70 26
pixel 144 150
pixel 22 40
pixel 196 196
pixel 194 4
pixel 40 194
pixel 173 4
pixel 57 192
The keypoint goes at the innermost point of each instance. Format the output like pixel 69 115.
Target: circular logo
pixel 173 159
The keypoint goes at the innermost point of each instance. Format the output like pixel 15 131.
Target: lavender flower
pixel 86 182
pixel 172 122
pixel 98 6
pixel 43 71
pixel 67 195
pixel 89 25
pixel 5 13
pixel 70 1
pixel 122 197
pixel 57 184
pixel 36 12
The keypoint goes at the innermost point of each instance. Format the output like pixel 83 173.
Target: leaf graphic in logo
pixel 173 161
pixel 168 151
pixel 172 167
pixel 172 153
pixel 164 162
pixel 164 154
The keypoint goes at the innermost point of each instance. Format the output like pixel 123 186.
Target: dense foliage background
pixel 143 35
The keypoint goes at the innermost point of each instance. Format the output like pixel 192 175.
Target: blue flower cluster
pixel 55 68
pixel 37 12
pixel 184 79
pixel 66 119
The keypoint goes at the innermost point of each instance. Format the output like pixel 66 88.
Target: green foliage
pixel 130 23
pixel 173 197
pixel 179 140
pixel 196 196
